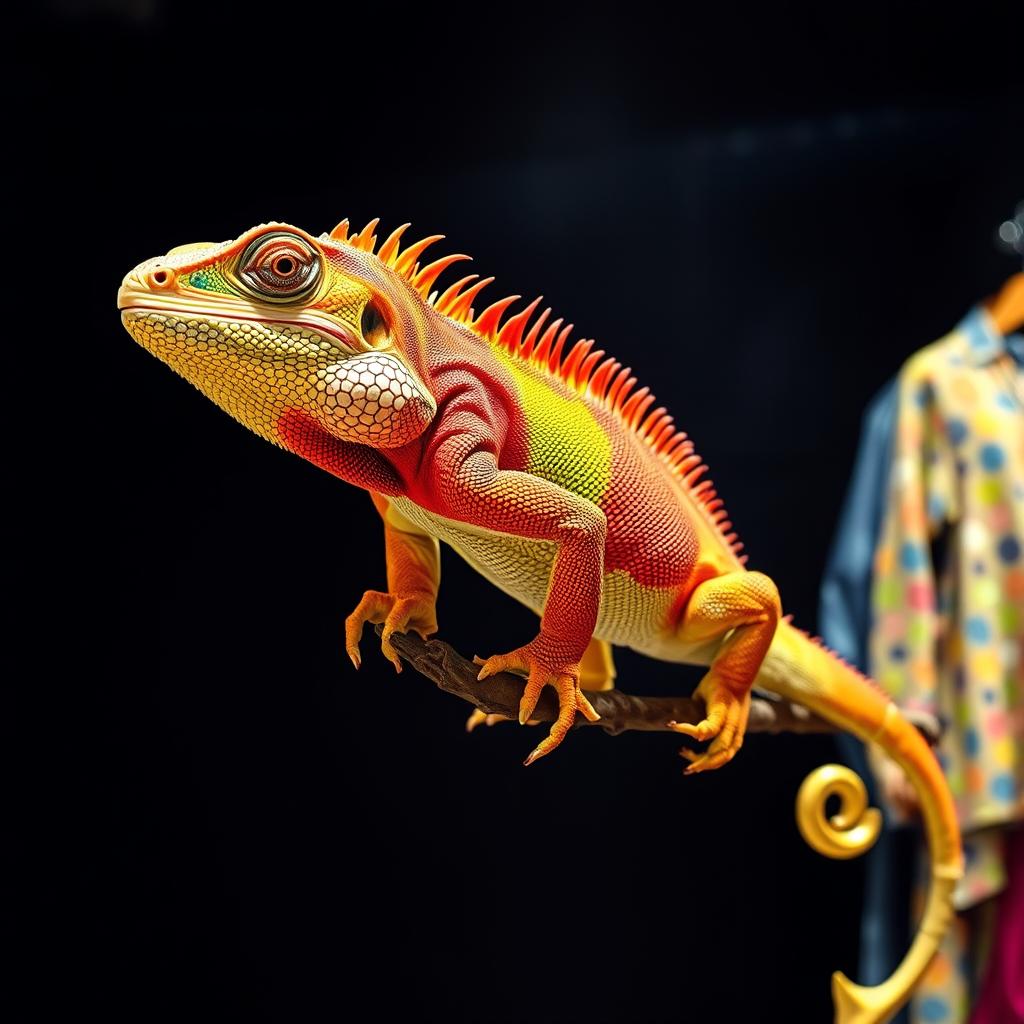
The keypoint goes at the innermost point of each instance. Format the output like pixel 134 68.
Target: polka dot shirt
pixel 947 634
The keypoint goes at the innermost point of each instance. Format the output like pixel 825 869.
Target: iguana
pixel 544 466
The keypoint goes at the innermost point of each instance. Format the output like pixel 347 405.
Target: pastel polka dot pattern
pixel 1008 549
pixel 916 632
pixel 942 995
pixel 956 430
pixel 948 635
pixel 939 970
pixel 984 664
pixel 1004 786
pixel 993 458
pixel 988 422
pixel 1003 755
pixel 1000 518
pixel 971 742
pixel 977 630
pixel 984 592
pixel 887 598
pixel 912 556
pixel 991 491
pixel 934 1009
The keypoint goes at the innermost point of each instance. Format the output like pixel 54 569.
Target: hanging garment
pixel 938 496
pixel 948 582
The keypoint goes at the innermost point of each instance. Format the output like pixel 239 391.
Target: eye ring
pixel 280 266
pixel 283 266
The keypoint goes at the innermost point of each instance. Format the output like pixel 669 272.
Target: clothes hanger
pixel 1007 307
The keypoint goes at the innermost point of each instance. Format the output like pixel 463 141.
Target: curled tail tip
pixel 850 832
pixel 856 1004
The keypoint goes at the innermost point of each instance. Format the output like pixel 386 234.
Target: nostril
pixel 160 277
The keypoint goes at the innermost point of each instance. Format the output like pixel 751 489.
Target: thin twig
pixel 499 694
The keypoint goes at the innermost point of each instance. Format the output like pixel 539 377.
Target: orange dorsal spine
pixel 601 378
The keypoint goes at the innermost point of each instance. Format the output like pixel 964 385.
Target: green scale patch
pixel 208 280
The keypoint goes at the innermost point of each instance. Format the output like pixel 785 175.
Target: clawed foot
pixel 540 671
pixel 726 723
pixel 399 613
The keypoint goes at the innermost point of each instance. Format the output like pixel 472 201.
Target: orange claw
pixel 725 725
pixel 479 717
pixel 539 675
pixel 399 613
pixel 488 718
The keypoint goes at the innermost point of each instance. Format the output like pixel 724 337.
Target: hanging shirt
pixel 948 580
pixel 934 407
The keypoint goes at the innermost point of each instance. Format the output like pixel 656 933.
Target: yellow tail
pixel 802 671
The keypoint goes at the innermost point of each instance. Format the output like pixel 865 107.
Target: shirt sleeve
pixel 920 502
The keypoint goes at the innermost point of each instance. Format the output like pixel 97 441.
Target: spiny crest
pixel 403 262
pixel 601 378
pixel 818 642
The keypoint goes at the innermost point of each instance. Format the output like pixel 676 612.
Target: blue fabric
pixel 844 615
pixel 1015 346
pixel 844 620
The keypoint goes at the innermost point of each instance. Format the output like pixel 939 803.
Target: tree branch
pixel 500 694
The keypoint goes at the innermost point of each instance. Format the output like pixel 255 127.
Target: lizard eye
pixel 372 324
pixel 280 266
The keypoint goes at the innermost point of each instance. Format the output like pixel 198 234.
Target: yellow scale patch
pixel 558 428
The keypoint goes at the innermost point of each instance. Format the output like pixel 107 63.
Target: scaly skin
pixel 543 468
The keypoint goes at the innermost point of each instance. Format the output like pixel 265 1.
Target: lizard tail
pixel 799 669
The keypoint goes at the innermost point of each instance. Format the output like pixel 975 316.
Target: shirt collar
pixel 984 343
pixel 1015 343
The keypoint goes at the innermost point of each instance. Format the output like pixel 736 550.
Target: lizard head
pixel 277 322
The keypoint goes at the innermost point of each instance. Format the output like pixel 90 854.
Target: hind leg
pixel 597 672
pixel 597 667
pixel 743 608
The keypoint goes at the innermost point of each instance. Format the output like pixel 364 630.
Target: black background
pixel 765 214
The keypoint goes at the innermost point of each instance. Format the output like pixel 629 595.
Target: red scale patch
pixel 648 537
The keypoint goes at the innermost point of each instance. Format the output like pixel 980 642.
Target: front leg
pixel 414 574
pixel 413 558
pixel 473 489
